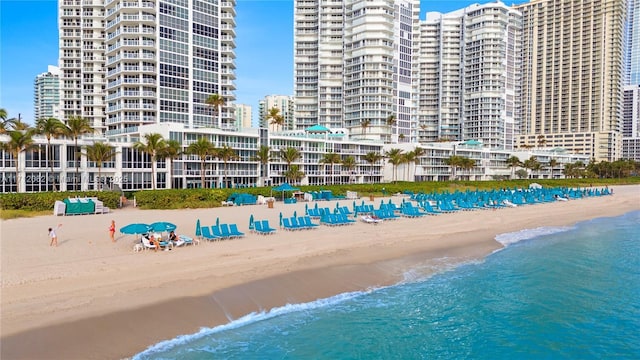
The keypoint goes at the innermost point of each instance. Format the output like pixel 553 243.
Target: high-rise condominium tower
pixel 631 123
pixel 354 66
pixel 573 75
pixel 285 106
pixel 132 62
pixel 81 60
pixel 46 97
pixel 633 43
pixel 470 63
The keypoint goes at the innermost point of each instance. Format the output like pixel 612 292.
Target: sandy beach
pixel 90 298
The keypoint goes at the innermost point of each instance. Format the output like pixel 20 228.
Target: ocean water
pixel 551 293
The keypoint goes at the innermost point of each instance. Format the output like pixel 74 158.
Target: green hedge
pixel 207 198
pixel 45 200
pixel 181 198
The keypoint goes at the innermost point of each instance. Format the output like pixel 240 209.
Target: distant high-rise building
pixel 355 66
pixel 631 123
pixel 469 82
pixel 46 97
pixel 573 75
pixel 244 117
pixel 129 63
pixel 633 43
pixel 284 104
pixel 631 102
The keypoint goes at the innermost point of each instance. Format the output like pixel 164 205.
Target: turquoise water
pixel 552 293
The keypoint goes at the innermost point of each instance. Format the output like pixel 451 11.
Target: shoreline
pixel 119 303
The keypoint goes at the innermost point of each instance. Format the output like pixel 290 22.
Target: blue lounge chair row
pixel 221 232
pixel 408 210
pixel 364 209
pixel 318 212
pixel 336 219
pixel 299 223
pixel 262 227
pixel 385 214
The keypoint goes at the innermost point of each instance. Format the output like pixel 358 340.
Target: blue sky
pixel 264 52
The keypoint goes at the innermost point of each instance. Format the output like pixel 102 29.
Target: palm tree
pixel 390 121
pixel 553 163
pixel 203 148
pixel 216 101
pixel 408 158
pixel 513 162
pixel 100 153
pixel 4 122
pixel 531 163
pixel 19 141
pixel 294 174
pixel 418 152
pixel 77 126
pixel 18 124
pixel 153 145
pixel 541 140
pixel 331 158
pixel 467 163
pixel 454 161
pixel 372 158
pixel 263 156
pixel 226 153
pixel 276 118
pixel 349 163
pixel 4 127
pixel 50 128
pixel 172 150
pixel 395 157
pixel 365 124
pixel 289 155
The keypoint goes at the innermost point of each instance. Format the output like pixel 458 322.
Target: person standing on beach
pixel 53 236
pixel 112 230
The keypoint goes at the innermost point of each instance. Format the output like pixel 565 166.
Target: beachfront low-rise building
pixel 131 170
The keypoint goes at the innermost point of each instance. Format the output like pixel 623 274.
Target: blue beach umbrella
pixel 295 214
pixel 306 208
pixel 198 231
pixel 280 219
pixel 134 229
pixel 251 222
pixel 217 221
pixel 162 226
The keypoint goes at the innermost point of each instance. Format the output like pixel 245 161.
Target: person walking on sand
pixel 53 236
pixel 112 230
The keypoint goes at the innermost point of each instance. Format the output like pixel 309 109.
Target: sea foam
pixel 246 320
pixel 507 239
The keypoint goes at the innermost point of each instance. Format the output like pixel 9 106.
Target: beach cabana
pixel 284 187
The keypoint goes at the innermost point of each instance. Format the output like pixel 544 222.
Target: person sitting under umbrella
pixel 154 241
pixel 174 239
